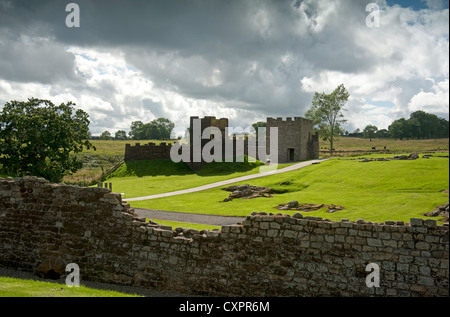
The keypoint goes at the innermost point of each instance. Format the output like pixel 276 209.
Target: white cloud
pixel 435 4
pixel 246 61
pixel 435 101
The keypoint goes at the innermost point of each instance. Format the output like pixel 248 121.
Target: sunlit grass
pixel 373 191
pixel 15 287
pixel 175 224
pixel 143 178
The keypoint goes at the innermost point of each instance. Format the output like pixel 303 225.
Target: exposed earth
pixel 295 205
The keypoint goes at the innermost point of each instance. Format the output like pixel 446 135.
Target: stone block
pixel 272 233
pixel 429 223
pixel 374 242
pixel 289 234
pixel 416 222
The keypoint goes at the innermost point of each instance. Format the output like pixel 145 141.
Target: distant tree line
pixel 420 125
pixel 158 129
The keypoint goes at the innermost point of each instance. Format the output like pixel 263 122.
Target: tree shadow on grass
pixel 168 168
pixel 227 168
pixel 152 168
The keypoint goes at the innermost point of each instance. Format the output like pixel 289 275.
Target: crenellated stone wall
pixel 45 226
pixel 296 139
pixel 150 151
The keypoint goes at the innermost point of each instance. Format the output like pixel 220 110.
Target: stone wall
pixel 150 151
pixel 45 226
pixel 294 134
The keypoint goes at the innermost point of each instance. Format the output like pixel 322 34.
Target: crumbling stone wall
pixel 45 226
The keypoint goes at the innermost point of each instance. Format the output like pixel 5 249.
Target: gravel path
pixel 6 272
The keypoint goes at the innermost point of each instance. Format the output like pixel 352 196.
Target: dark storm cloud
pixel 215 30
pixel 258 58
pixel 34 60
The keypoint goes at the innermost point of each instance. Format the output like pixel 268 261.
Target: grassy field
pixel 373 191
pixel 347 146
pixel 14 287
pixel 160 176
pixel 175 224
pixel 108 153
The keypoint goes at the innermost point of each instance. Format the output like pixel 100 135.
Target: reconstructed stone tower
pixel 296 141
pixel 196 161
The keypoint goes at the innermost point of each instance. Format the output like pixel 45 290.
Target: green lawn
pixel 373 191
pixel 175 224
pixel 143 178
pixel 350 144
pixel 108 153
pixel 14 287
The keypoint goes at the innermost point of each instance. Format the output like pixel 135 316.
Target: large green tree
pixel 327 113
pixel 106 135
pixel 398 129
pixel 158 129
pixel 120 135
pixel 370 131
pixel 38 138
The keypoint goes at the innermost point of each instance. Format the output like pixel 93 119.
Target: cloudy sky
pixel 241 59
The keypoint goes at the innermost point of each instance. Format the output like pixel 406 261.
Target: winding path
pixel 230 181
pixel 214 220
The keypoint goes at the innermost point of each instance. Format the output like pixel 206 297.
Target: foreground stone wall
pixel 45 226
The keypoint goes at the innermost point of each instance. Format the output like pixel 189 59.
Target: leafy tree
pixel 158 129
pixel 136 131
pixel 326 113
pixel 427 123
pixel 120 135
pixel 443 128
pixel 38 137
pixel 370 131
pixel 259 124
pixel 106 135
pixel 382 134
pixel 398 129
pixel 413 128
pixel 151 131
pixel 419 125
pixel 164 128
